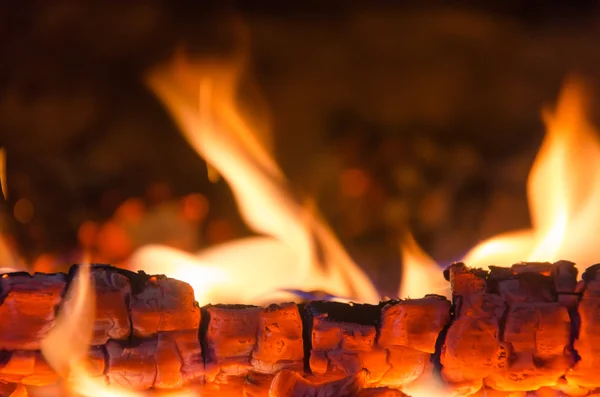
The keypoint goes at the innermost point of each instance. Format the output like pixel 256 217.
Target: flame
pixel 563 192
pixel 418 269
pixel 73 327
pixel 66 345
pixel 296 250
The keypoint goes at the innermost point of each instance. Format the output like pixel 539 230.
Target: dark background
pixel 396 116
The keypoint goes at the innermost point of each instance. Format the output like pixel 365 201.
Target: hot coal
pixel 529 327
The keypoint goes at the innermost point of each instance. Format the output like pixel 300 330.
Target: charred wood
pixel 509 331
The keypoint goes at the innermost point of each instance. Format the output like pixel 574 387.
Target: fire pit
pixel 287 312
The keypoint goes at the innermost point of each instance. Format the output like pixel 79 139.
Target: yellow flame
pixel 563 191
pixel 66 345
pixel 419 269
pixel 74 326
pixel 297 249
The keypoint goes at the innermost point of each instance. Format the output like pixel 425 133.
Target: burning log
pixel 510 331
pixel 28 308
pixel 344 338
pixel 240 339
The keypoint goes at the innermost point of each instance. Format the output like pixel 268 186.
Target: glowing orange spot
pixel 219 231
pixel 355 182
pixel 88 231
pixel 195 207
pixel 131 211
pixel 113 241
pixel 45 264
pixel 5 276
pixel 23 211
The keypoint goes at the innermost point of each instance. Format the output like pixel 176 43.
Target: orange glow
pixel 9 261
pixel 195 207
pixel 66 345
pixel 20 391
pixel 420 274
pixel 355 182
pixel 296 250
pixel 23 211
pixel 563 190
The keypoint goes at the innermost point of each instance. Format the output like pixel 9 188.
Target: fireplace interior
pixel 269 194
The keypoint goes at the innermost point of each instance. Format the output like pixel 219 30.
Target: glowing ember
pixel 296 251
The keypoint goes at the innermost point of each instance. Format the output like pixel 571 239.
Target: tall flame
pixel 296 250
pixel 66 345
pixel 73 327
pixel 563 191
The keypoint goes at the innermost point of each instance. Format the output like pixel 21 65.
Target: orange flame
pixel 563 190
pixel 66 345
pixel 418 269
pixel 297 250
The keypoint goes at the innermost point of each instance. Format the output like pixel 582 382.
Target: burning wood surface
pixel 508 331
pixel 531 327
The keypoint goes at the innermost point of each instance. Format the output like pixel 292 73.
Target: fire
pixel 296 250
pixel 563 192
pixel 66 345
pixel 418 269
